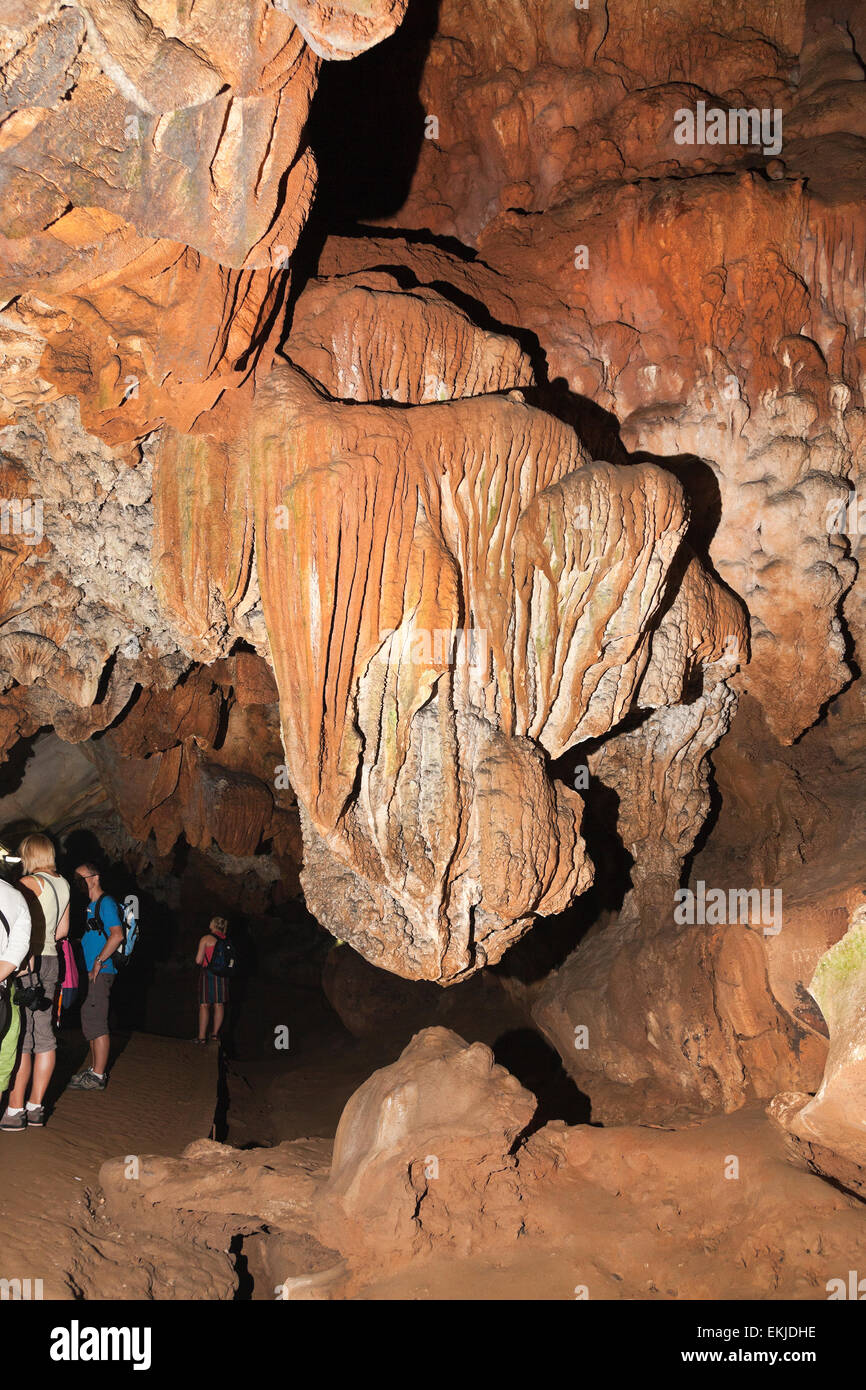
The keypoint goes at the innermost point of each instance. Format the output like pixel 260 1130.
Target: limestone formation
pixel 435 1189
pixel 492 632
pixel 828 1130
pixel 338 558
pixel 423 1153
pixel 156 179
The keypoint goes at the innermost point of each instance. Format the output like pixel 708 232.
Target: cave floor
pixel 160 1097
pixel 651 1214
pixel 636 1212
pixel 712 1210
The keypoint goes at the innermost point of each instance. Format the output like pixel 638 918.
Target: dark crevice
pixel 246 1284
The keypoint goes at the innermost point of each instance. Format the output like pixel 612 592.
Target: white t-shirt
pixel 14 942
pixel 52 905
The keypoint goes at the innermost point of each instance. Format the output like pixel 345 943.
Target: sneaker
pixel 13 1122
pixel 91 1082
pixel 77 1081
pixel 36 1117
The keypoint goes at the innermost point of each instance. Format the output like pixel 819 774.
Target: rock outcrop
pixel 346 566
pixel 828 1129
pixel 435 1190
pixel 422 1154
pixel 156 179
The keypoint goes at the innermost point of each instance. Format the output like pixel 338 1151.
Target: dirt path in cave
pixel 161 1096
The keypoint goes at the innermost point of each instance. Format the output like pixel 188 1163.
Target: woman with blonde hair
pixel 216 959
pixel 47 896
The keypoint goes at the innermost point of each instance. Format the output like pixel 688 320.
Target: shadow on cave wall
pixel 12 769
pixel 367 122
pixel 552 939
pixel 365 128
pixel 525 1054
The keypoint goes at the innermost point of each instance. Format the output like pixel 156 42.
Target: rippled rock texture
pixel 418 527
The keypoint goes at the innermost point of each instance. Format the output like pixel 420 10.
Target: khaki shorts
pixel 37 1027
pixel 94 1010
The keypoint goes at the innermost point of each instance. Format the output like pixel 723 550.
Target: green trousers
pixel 9 1043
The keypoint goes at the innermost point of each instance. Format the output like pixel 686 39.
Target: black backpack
pixel 223 961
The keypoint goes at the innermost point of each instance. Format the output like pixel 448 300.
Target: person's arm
pixel 63 925
pixel 202 947
pixel 115 935
pixel 18 944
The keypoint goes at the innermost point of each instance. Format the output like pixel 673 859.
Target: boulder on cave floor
pixel 423 1154
pixel 828 1131
pixel 434 1190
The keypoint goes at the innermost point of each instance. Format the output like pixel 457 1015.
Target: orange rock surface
pixel 432 519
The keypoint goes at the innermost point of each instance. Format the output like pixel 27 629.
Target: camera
pixel 32 996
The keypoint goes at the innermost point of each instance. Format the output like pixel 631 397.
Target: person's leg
pixel 43 1070
pixel 44 1042
pixel 99 1048
pixel 94 1025
pixel 9 1046
pixel 23 1062
pixel 102 1041
pixel 20 1079
pixel 203 1016
pixel 87 1021
pixel 218 1016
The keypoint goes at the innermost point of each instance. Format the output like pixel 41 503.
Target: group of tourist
pixel 36 958
pixel 34 924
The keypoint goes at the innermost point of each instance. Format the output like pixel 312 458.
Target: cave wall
pixel 331 568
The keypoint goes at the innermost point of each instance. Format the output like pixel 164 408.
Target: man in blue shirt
pixel 103 934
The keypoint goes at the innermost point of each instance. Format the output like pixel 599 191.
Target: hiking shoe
pixel 91 1082
pixel 36 1116
pixel 86 1081
pixel 13 1122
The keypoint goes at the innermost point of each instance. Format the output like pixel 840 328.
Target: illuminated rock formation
pixel 449 590
pixel 388 487
pixel 155 181
pixel 828 1130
